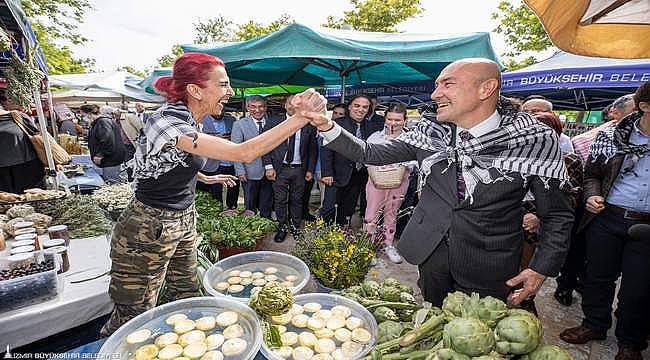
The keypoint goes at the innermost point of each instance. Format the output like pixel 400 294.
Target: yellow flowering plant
pixel 337 257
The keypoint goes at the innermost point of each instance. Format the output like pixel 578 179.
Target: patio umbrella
pixel 602 28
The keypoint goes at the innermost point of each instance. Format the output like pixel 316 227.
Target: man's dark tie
pixel 464 136
pixel 291 145
pixel 259 127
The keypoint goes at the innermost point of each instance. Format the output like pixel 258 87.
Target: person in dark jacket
pixel 20 168
pixel 105 141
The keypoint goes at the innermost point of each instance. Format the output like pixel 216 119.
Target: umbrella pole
pixel 343 88
pixel 51 171
pixel 55 130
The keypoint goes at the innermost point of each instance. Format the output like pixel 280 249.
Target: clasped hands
pixel 312 106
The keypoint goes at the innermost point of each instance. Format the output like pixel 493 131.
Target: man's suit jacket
pixel 242 130
pixel 485 237
pixel 209 128
pixel 307 147
pixel 132 126
pixel 337 165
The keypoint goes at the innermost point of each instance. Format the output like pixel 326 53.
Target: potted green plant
pixel 235 234
pixel 337 258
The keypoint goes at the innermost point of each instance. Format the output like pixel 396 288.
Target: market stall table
pixel 78 303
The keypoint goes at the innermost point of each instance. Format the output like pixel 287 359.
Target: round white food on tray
pixel 353 322
pixel 289 338
pixel 283 352
pixel 146 352
pixel 195 350
pixel 233 331
pixel 227 318
pixel 307 338
pixel 236 288
pixel 166 339
pixel 170 352
pixel 322 357
pixel 233 347
pixel 323 314
pixel 291 278
pixel 270 270
pixel 221 286
pixel 338 355
pixel 206 323
pixel 214 341
pixel 281 329
pixel 342 311
pixel 183 326
pixel 283 319
pixel 300 320
pixel 296 309
pixel 324 333
pixel 234 280
pixel 212 355
pixel 234 273
pixel 361 335
pixel 246 281
pixel 350 349
pixel 174 318
pixel 287 284
pixel 191 337
pixel 335 322
pixel 259 282
pixel 257 275
pixel 311 307
pixel 245 274
pixel 302 353
pixel 270 278
pixel 255 290
pixel 325 346
pixel 315 323
pixel 139 336
pixel 343 335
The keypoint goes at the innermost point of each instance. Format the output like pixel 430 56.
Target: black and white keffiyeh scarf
pixel 614 140
pixel 156 152
pixel 521 144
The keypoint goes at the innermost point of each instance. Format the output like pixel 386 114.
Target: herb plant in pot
pixel 233 235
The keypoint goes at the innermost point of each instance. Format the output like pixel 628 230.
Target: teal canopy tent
pixel 300 55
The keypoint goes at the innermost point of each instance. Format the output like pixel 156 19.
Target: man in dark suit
pixel 465 234
pixel 345 179
pixel 140 112
pixel 289 166
pixel 220 127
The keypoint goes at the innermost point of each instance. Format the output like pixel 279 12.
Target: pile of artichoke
pixel 465 328
pixel 273 300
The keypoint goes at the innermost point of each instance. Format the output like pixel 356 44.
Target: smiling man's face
pixel 456 93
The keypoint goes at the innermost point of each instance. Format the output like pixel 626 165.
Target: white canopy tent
pixel 116 86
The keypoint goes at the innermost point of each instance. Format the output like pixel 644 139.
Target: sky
pixel 137 32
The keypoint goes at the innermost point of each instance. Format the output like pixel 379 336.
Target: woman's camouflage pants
pixel 148 246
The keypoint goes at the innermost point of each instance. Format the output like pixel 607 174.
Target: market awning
pixel 116 82
pixel 300 55
pixel 578 82
pixel 14 21
pixel 603 28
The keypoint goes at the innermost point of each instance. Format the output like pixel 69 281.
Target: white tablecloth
pixel 76 305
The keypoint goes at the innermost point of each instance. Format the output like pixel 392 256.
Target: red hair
pixel 190 68
pixel 551 120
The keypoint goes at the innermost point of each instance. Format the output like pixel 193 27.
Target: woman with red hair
pixel 154 239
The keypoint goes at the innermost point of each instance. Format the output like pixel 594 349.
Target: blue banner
pixel 379 90
pixel 576 78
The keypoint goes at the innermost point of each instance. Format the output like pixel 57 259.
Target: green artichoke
pixel 355 289
pixel 468 336
pixel 389 293
pixel 491 356
pixel 273 300
pixel 454 302
pixel 405 297
pixel 383 313
pixel 391 282
pixel 450 354
pixel 370 289
pixel 491 310
pixel 548 352
pixel 353 296
pixel 518 334
pixel 388 330
pixel 405 315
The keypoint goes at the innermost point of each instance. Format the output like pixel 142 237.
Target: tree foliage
pixel 221 29
pixel 523 33
pixel 54 21
pixel 168 60
pixel 132 70
pixel 376 15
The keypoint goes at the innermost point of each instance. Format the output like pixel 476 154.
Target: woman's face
pixel 217 91
pixel 394 122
